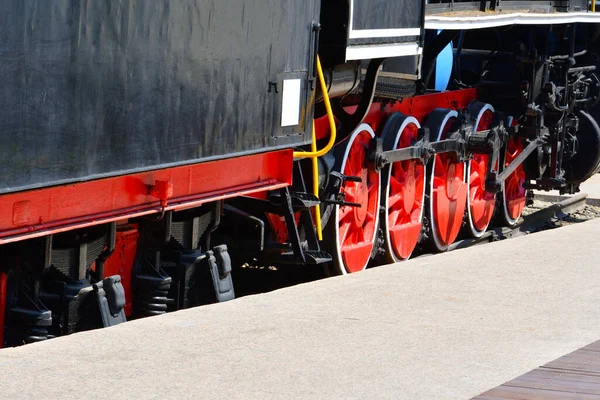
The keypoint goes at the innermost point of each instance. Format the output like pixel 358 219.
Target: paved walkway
pixel 592 187
pixel 449 326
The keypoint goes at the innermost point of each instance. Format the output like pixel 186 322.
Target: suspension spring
pixel 29 325
pixel 152 292
pixel 35 334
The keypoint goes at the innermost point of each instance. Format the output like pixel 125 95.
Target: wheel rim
pixel 513 192
pixel 480 203
pixel 447 188
pixel 404 192
pixel 356 227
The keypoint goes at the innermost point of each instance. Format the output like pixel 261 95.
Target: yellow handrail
pixel 333 133
pixel 313 153
pixel 593 5
pixel 315 168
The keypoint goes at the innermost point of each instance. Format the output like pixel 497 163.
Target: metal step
pixel 300 200
pixel 313 257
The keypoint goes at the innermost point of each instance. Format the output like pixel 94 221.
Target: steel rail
pixel 530 223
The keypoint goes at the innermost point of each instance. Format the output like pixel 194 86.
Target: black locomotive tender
pixel 150 146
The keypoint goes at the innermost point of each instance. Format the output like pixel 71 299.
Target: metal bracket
pixel 489 142
pixel 422 149
pixel 110 296
pixel 220 268
pixel 314 38
pixel 531 147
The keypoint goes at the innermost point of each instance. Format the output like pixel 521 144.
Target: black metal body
pixel 102 88
pixel 373 24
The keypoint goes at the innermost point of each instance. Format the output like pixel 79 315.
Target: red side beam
pixel 419 107
pixel 122 261
pixel 2 305
pixel 40 212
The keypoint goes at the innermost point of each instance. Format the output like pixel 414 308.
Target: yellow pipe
pixel 593 5
pixel 315 168
pixel 314 154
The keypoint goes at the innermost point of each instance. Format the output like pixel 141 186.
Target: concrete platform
pixel 449 326
pixel 592 187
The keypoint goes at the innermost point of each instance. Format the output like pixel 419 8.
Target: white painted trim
pixel 351 22
pixel 379 33
pixel 381 51
pixel 491 21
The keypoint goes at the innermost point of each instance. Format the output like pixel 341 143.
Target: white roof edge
pixel 492 21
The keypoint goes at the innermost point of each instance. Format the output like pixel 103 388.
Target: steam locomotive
pixel 150 146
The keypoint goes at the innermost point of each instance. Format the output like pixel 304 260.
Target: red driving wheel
pixel 514 195
pixel 480 204
pixel 446 187
pixel 355 228
pixel 403 190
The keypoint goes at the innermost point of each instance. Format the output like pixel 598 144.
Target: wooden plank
pixel 559 385
pixel 517 393
pixel 575 369
pixel 590 350
pixel 591 357
pixel 572 371
pixel 593 346
pixel 552 374
pixel 573 376
pixel 588 361
pixel 574 366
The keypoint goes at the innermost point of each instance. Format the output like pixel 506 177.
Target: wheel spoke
pixel 360 233
pixel 396 192
pixel 370 216
pixel 343 232
pixel 395 219
pixel 345 211
pixel 441 167
pixel 395 200
pixel 350 193
pixel 475 180
pixel 399 170
pixel 372 187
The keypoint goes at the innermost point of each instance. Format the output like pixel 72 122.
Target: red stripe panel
pixel 2 305
pixel 50 210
